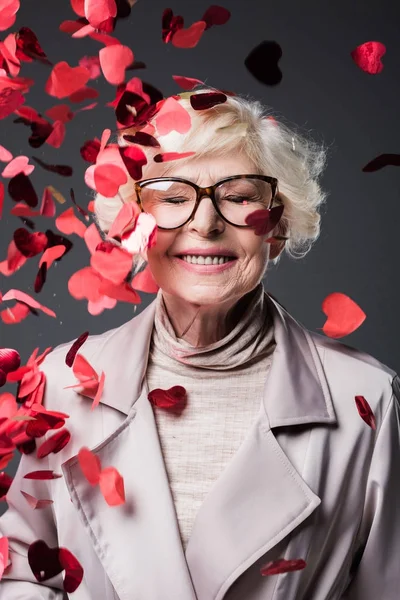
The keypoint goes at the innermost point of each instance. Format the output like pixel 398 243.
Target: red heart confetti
pixel 65 80
pixel 189 38
pixel 42 475
pixel 4 555
pixel 368 57
pixel 344 315
pixel 264 221
pixel 69 359
pixel 365 411
pixel 54 444
pixel 114 60
pixel 35 503
pixel 172 398
pixel 46 563
pixel 282 566
pixel 110 481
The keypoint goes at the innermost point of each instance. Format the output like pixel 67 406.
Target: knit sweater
pixel 224 382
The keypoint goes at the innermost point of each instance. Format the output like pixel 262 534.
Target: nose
pixel 206 218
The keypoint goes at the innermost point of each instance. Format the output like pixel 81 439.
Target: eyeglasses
pixel 173 201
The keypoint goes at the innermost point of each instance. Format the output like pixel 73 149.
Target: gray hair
pixel 244 125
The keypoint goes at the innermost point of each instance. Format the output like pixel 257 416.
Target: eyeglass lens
pixel 171 202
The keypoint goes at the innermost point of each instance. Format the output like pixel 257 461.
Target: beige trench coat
pixel 311 480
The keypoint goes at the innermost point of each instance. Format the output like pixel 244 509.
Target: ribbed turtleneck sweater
pixel 224 382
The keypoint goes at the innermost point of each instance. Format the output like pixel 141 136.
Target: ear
pixel 276 248
pixel 280 230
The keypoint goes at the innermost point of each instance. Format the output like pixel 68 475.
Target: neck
pixel 202 325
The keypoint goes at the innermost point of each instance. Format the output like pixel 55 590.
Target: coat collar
pixel 242 517
pixel 295 355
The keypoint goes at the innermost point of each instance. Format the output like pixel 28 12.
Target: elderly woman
pixel 267 484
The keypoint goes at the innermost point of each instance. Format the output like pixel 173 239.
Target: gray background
pixel 322 91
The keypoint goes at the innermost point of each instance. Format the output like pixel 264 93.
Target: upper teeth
pixel 206 260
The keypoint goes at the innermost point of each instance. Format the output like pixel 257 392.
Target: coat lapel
pixel 256 502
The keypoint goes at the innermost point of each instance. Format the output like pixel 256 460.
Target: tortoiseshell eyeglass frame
pixel 209 192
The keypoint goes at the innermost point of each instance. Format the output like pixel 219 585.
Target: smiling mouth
pixel 200 260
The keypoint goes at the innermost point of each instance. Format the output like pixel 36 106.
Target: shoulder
pixel 351 372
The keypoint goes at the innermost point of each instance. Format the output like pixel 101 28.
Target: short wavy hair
pixel 275 148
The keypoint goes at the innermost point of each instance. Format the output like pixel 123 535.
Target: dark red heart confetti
pixel 54 444
pixel 282 566
pixel 42 474
pixel 46 563
pixel 365 411
pixel 5 483
pixel 265 220
pixel 381 161
pixel 10 360
pixel 262 62
pixel 30 244
pixel 207 100
pixel 172 398
pixel 216 15
pixel 43 422
pixel 28 47
pixel 63 170
pixel 70 357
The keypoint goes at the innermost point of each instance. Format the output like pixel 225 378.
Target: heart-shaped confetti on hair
pixel 108 178
pixel 207 100
pixel 344 315
pixel 282 566
pixel 134 159
pixel 368 56
pixel 46 563
pixel 172 117
pixel 169 156
pixel 262 62
pixel 365 411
